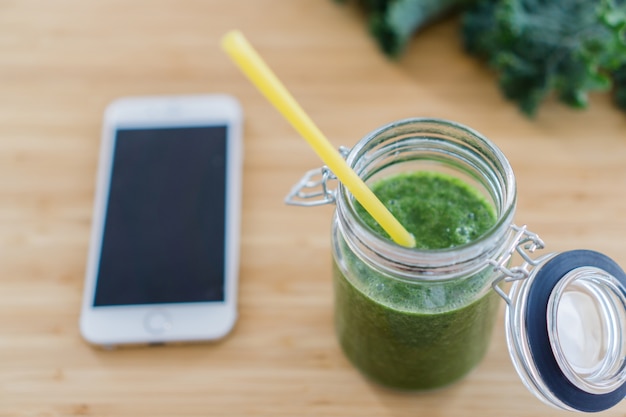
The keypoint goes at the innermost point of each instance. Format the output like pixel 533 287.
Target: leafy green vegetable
pixel 542 46
pixel 619 78
pixel 393 22
pixel 536 47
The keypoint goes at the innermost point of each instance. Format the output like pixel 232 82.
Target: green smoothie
pixel 418 335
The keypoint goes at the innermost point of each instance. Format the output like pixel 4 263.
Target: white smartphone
pixel 164 250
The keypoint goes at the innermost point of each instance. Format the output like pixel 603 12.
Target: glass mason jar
pixel 419 318
pixel 422 318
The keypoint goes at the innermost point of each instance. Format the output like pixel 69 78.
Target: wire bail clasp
pixel 314 187
pixel 525 243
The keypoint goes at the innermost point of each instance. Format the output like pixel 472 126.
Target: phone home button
pixel 157 322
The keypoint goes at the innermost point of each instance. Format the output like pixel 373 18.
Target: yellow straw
pixel 252 65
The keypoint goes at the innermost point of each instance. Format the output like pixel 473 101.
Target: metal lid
pixel 566 328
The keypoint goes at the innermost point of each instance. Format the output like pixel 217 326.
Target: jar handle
pixel 525 243
pixel 313 189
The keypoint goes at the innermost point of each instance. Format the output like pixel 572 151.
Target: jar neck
pixel 429 145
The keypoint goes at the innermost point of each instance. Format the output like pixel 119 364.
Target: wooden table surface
pixel 62 61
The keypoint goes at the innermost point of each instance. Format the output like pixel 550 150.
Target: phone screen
pixel 164 231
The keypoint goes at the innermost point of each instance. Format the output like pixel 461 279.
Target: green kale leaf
pixel 393 22
pixel 619 80
pixel 539 47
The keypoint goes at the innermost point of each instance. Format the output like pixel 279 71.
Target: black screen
pixel 164 229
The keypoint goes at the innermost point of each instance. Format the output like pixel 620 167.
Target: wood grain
pixel 62 61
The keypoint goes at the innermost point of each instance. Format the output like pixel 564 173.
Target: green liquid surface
pixel 418 335
pixel 439 210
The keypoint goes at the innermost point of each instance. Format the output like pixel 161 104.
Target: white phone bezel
pixel 176 322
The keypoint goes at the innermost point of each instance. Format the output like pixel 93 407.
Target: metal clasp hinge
pixel 314 189
pixel 525 243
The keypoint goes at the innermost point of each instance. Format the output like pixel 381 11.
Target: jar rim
pixel 426 260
